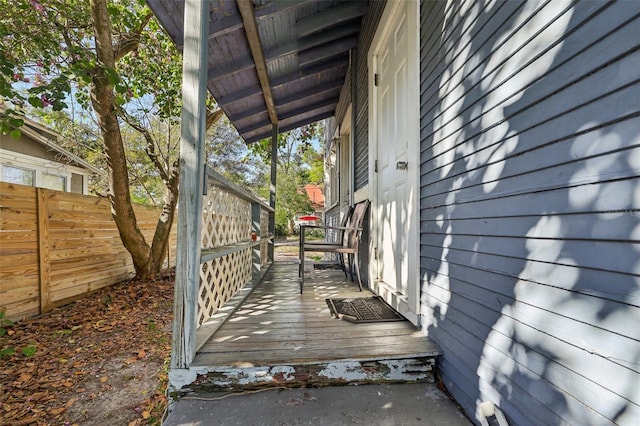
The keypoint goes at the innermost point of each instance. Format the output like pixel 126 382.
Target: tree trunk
pixel 147 260
pixel 103 101
pixel 165 221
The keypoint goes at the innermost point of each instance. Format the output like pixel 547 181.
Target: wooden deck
pixel 277 326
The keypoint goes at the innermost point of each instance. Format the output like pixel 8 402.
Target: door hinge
pixel 375 79
pixel 375 253
pixel 375 166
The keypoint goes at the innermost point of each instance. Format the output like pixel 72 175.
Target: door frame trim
pixel 409 305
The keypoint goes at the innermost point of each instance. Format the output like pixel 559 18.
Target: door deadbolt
pixel 401 165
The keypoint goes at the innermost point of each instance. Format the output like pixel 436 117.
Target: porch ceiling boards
pixel 273 61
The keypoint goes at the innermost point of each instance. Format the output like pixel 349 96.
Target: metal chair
pixel 339 241
pixel 349 245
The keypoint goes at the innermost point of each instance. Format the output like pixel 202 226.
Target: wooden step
pixel 317 374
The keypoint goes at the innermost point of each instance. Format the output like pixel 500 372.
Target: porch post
pixel 194 76
pixel 256 258
pixel 272 193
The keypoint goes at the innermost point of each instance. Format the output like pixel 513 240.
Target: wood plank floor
pixel 276 324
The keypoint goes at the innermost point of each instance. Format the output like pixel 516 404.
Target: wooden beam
pixel 247 113
pixel 196 28
pixel 254 127
pixel 312 119
pixel 320 106
pixel 239 95
pixel 312 41
pixel 251 30
pixel 312 71
pixel 317 90
pixel 331 17
pixel 224 26
pixel 285 128
pixel 319 54
pixel 279 6
pixel 216 73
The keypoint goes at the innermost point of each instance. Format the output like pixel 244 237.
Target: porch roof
pixel 273 61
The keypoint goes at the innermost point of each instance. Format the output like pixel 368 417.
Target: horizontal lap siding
pixel 361 135
pixel 530 249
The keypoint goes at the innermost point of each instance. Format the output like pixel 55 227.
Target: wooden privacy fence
pixel 57 246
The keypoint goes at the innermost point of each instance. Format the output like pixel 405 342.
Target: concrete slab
pixel 400 404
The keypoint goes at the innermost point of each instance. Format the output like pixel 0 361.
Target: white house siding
pixel 530 206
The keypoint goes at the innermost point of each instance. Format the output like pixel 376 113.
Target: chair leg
pixel 343 265
pixel 357 267
pixel 301 271
pixel 350 257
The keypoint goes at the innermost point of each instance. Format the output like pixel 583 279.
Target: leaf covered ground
pixel 99 360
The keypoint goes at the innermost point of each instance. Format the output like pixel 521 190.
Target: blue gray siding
pixel 361 154
pixel 530 206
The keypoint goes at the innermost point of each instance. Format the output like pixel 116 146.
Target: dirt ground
pixel 100 360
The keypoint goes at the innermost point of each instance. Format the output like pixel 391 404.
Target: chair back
pixel 344 223
pixel 357 218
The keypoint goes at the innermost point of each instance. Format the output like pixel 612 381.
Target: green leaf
pixel 7 351
pixel 16 122
pixel 15 134
pixel 29 351
pixel 113 11
pixel 120 100
pixel 112 75
pixel 36 102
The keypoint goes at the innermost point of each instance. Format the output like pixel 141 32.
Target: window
pixel 59 183
pixel 12 174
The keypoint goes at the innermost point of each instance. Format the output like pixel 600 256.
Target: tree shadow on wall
pixel 529 221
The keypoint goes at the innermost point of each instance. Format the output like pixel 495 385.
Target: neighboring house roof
pixel 316 195
pixel 48 137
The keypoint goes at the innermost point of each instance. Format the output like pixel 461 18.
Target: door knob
pixel 401 165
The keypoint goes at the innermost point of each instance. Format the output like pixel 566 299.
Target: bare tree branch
pixel 129 42
pixel 150 148
pixel 213 117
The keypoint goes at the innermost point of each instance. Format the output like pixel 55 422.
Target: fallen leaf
pixel 57 411
pixel 141 353
pixel 70 402
pixel 24 377
pixel 146 415
pixel 103 379
pixel 131 360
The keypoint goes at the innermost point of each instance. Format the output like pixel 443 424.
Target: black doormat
pixel 324 266
pixel 363 309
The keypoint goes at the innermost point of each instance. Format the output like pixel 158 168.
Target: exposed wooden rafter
pixel 331 17
pixel 251 29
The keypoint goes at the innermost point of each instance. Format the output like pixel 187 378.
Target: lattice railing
pixel 227 248
pixel 226 218
pixel 220 280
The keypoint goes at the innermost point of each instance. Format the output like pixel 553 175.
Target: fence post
pixel 44 260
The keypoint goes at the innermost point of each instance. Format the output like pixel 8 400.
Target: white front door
pixel 397 161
